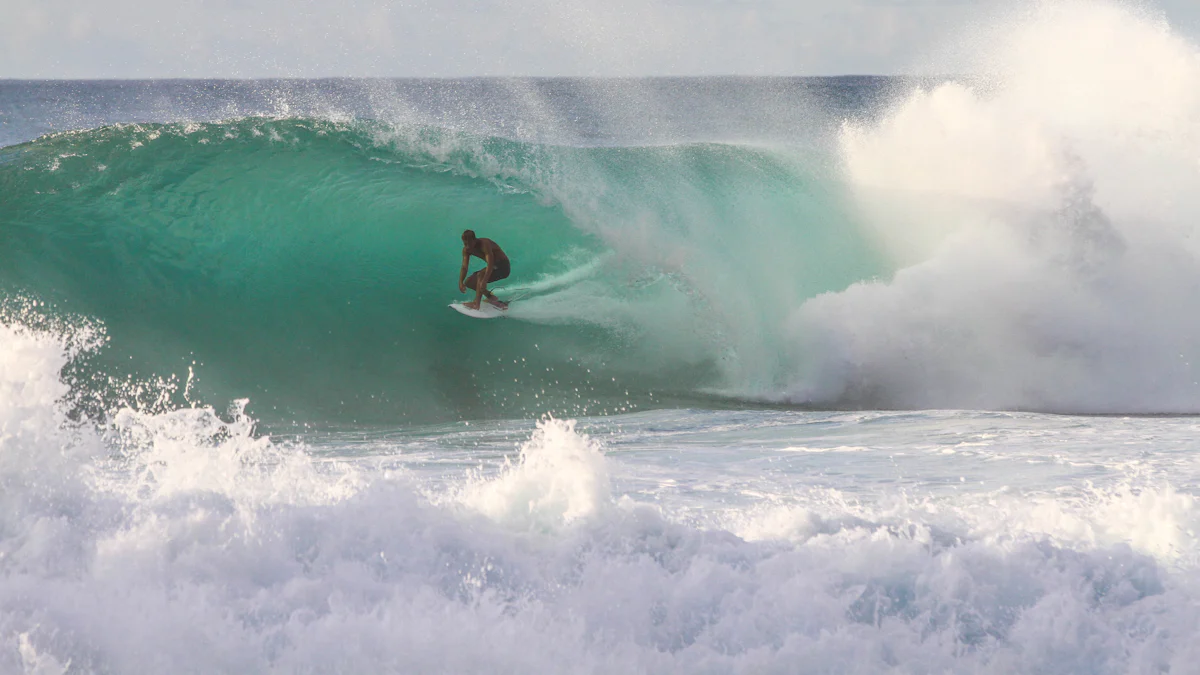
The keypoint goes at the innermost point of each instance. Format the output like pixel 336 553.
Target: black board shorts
pixel 499 271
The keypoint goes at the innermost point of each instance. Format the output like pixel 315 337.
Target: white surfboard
pixel 486 310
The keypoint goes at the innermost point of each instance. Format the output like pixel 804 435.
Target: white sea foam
pixel 180 541
pixel 559 478
pixel 1044 221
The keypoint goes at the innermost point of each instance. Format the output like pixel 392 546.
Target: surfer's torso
pixel 483 246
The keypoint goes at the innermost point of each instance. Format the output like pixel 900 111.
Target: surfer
pixel 497 269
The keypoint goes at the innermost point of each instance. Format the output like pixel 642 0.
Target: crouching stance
pixel 497 269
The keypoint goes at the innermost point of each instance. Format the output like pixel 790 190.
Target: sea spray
pixel 163 454
pixel 228 551
pixel 1044 227
pixel 159 529
pixel 558 477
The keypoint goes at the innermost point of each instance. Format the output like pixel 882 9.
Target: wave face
pixel 307 264
pixel 1022 240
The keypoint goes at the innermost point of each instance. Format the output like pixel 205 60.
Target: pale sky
pixel 441 38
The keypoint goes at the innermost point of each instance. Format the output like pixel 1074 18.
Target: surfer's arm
pixel 462 273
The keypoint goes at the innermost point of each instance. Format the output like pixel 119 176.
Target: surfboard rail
pixel 485 311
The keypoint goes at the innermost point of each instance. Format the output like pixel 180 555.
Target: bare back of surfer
pixel 497 269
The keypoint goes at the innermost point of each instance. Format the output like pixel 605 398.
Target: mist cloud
pixel 439 38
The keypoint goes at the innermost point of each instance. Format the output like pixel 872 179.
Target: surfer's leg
pixel 491 297
pixel 499 272
pixel 481 288
pixel 473 282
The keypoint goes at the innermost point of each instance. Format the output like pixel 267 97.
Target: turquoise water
pixel 859 375
pixel 307 264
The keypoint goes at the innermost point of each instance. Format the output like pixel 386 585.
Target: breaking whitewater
pixel 860 375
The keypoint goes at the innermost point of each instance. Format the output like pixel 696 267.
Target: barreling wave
pixel 307 264
pixel 1029 244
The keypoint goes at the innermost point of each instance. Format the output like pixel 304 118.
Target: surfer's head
pixel 468 238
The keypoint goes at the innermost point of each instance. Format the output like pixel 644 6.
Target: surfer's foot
pixel 471 305
pixel 498 303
